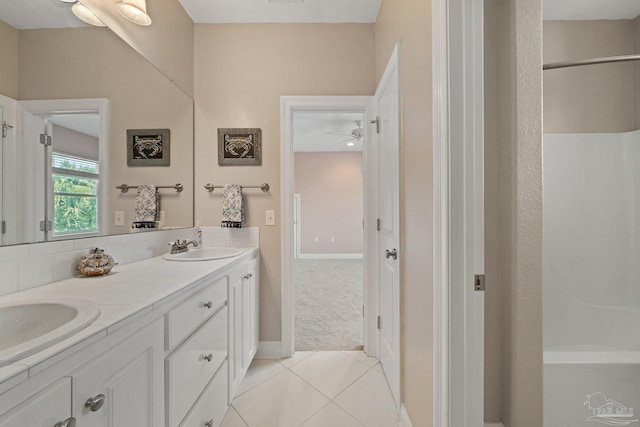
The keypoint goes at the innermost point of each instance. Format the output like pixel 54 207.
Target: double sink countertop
pixel 125 295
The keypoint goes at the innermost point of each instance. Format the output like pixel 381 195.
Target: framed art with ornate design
pixel 148 147
pixel 239 146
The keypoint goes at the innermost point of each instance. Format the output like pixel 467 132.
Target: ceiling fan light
pixel 85 15
pixel 135 11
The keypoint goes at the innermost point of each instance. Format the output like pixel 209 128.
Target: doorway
pixel 328 230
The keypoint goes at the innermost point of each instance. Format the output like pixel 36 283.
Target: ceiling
pixel 32 14
pixel 315 131
pixel 590 9
pixel 275 11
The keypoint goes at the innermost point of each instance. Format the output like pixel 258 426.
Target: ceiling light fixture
pixel 351 144
pixel 135 11
pixel 84 14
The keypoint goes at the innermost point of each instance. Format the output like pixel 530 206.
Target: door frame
pixel 297 227
pixel 458 122
pixel 288 105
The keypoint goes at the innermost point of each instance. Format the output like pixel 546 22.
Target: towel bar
pixel 125 188
pixel 264 187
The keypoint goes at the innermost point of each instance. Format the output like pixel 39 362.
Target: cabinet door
pixel 129 379
pixel 45 409
pixel 236 283
pixel 250 314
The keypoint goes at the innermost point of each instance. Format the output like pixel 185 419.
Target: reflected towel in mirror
pixel 232 206
pixel 147 207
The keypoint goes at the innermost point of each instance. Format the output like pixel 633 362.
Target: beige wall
pixel 241 71
pixel 493 293
pixel 331 199
pixel 69 141
pixel 409 22
pixel 167 43
pixel 95 63
pixel 597 98
pixel 9 62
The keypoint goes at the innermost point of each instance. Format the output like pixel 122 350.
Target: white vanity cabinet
pixel 243 322
pixel 47 408
pixel 125 387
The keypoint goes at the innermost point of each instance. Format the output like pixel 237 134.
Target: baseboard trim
pixel 330 256
pixel 269 350
pixel 405 421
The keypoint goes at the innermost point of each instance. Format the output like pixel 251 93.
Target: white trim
pixel 269 350
pixel 289 104
pixel 10 195
pixel 331 256
pixel 405 421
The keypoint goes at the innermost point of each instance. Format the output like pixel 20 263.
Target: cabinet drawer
pixel 188 370
pixel 212 405
pixel 186 318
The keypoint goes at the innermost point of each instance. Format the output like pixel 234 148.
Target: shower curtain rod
pixel 580 62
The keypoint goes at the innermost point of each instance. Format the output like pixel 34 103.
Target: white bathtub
pixel 591 388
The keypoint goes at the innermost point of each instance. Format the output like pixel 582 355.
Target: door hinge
pixel 379 322
pixel 45 139
pixel 4 227
pixel 377 123
pixel 378 224
pixel 478 282
pixel 46 226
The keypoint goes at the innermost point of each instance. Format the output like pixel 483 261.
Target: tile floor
pixel 314 389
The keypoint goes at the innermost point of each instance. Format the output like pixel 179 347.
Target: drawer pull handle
pixel 208 304
pixel 209 423
pixel 208 357
pixel 69 422
pixel 94 404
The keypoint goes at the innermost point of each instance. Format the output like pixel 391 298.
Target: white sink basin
pixel 30 326
pixel 204 254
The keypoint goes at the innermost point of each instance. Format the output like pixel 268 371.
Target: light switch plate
pixel 118 218
pixel 270 217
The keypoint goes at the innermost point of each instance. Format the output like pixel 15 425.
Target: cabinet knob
pixel 209 423
pixel 208 304
pixel 69 422
pixel 95 403
pixel 208 357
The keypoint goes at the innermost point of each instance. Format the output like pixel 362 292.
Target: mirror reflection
pixel 68 95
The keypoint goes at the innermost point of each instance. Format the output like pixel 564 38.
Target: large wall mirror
pixel 83 88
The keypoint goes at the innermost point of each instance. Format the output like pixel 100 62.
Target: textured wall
pixel 330 188
pixel 596 98
pixel 409 22
pixel 241 71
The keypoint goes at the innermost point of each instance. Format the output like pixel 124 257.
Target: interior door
pixel 387 101
pixel 34 192
pixel 2 137
pixel 296 226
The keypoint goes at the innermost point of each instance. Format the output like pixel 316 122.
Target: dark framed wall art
pixel 239 146
pixel 148 147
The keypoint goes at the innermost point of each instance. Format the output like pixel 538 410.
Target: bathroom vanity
pixel 171 344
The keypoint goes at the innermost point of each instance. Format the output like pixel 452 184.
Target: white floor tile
pixel 297 357
pixel 232 419
pixel 282 401
pixel 331 415
pixel 259 371
pixel 330 372
pixel 369 400
pixel 361 357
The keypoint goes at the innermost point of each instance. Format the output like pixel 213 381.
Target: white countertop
pixel 127 293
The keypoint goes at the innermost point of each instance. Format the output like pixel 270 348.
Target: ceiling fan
pixel 355 135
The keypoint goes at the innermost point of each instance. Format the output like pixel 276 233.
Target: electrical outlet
pixel 118 218
pixel 270 217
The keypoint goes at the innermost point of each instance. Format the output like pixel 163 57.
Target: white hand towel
pixel 232 206
pixel 147 207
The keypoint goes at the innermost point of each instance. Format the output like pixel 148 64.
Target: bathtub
pixel 590 388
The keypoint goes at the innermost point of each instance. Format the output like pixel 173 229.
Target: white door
pixel 387 100
pixel 34 177
pixel 296 226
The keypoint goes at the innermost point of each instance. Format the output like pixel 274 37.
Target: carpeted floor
pixel 328 304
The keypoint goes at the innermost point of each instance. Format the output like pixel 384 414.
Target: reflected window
pixel 75 194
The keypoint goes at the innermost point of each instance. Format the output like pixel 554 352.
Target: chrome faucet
pixel 182 246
